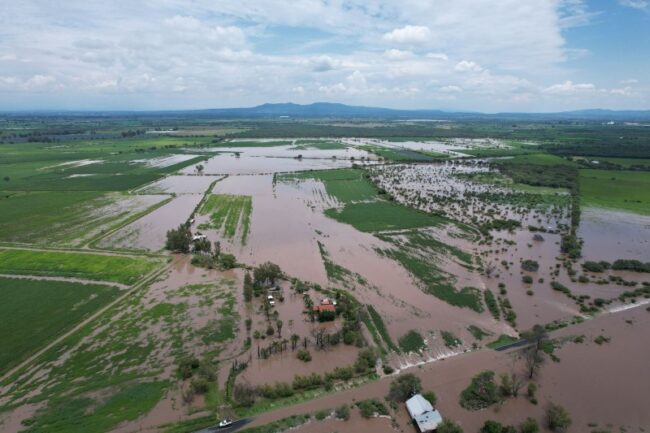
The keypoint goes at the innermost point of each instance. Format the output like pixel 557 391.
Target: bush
pixel 491 302
pixel 244 395
pixel 368 408
pixel 322 414
pixel 601 339
pixel 304 355
pixel 403 387
pixel 366 360
pixel 326 316
pixel 227 261
pixel 557 418
pixel 482 392
pixel 342 412
pixel 529 426
pixel 527 279
pixel 596 266
pixel 431 397
pixel 448 426
pixel 530 265
pixel 496 427
pixel 412 341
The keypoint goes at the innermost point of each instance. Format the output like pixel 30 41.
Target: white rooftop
pixel 423 413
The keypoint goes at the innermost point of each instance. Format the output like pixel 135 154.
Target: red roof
pixel 325 307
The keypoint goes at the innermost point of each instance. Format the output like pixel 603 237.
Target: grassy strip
pixel 381 328
pixel 280 425
pixel 119 269
pixel 503 340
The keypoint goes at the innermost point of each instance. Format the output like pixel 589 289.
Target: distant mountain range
pixel 336 110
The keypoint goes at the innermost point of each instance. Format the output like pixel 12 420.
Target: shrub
pixel 601 339
pixel 431 397
pixel 529 426
pixel 368 408
pixel 557 418
pixel 304 355
pixel 530 265
pixel 342 412
pixel 403 387
pixel 527 279
pixel 366 360
pixel 481 392
pixel 491 302
pixel 596 266
pixel 227 261
pixel 412 341
pixel 322 414
pixel 448 426
pixel 496 427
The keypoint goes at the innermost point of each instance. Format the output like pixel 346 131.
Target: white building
pixel 423 414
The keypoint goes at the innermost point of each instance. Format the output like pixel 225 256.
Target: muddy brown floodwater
pixel 602 386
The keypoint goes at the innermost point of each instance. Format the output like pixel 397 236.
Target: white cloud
pixel 437 56
pixel 394 54
pixel 467 66
pixel 409 35
pixel 179 54
pixel 570 88
pixel 450 89
pixel 635 4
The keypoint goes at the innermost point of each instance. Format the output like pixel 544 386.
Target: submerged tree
pixel 179 239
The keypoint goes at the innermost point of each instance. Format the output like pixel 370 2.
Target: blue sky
pixel 510 55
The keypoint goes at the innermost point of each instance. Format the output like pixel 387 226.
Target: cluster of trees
pixel 179 239
pixel 246 395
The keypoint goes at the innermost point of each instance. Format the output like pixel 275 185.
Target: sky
pixel 458 55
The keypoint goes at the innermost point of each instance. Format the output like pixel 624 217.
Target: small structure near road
pixel 423 414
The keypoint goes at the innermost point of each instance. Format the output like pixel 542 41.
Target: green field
pixel 230 214
pixel 346 185
pixel 118 269
pixel 60 217
pixel 34 312
pixel 383 215
pixel 624 190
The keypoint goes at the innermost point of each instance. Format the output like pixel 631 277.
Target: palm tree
pixel 278 326
pixel 294 341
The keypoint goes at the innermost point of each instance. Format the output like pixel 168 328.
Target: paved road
pixel 233 428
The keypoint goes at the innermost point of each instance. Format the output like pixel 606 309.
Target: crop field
pixel 34 312
pixel 231 214
pixel 118 269
pixel 345 185
pixel 117 376
pixel 382 215
pixel 625 190
pixel 63 217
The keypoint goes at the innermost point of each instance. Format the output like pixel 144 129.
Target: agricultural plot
pixel 118 367
pixel 113 268
pixel 382 215
pixel 345 185
pixel 624 190
pixel 66 218
pixel 34 312
pixel 230 214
